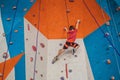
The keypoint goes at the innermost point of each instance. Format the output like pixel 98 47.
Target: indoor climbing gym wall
pixel 32 32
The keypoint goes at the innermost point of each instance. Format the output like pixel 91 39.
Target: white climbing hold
pixel 31 0
pixel 108 23
pixel 25 9
pixel 15 30
pixel 3 34
pixel 8 19
pixel 112 78
pixel 108 61
pixel 107 34
pixel 14 7
pixel 10 43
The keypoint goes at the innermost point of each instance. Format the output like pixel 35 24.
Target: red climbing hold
pixel 28 27
pixel 34 48
pixel 31 78
pixel 41 58
pixel 42 45
pixel 71 0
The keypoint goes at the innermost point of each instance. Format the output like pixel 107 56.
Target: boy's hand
pixel 65 29
pixel 78 21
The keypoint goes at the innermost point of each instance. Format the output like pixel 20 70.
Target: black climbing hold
pixel 70 70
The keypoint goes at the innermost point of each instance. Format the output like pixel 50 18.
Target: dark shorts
pixel 72 44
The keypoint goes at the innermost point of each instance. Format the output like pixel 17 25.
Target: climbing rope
pixel 101 29
pixel 37 40
pixel 67 13
pixel 4 65
pixel 112 40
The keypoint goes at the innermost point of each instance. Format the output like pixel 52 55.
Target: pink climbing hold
pixel 42 45
pixel 34 48
pixel 28 27
pixel 31 59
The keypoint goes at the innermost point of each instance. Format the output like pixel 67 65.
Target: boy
pixel 71 37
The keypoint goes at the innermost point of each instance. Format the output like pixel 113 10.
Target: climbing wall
pixel 32 36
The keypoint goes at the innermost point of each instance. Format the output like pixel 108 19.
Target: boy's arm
pixel 77 24
pixel 65 29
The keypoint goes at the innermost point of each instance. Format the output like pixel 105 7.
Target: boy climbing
pixel 71 37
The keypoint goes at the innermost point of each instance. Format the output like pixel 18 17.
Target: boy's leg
pixel 60 52
pixel 76 46
pixel 56 57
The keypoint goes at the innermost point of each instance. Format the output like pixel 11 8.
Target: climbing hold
pixel 62 71
pixel 31 78
pixel 5 55
pixel 107 34
pixel 15 31
pixel 2 5
pixel 42 45
pixel 60 44
pixel 8 19
pixel 108 23
pixel 41 75
pixel 34 48
pixel 68 10
pixel 64 59
pixel 31 0
pixel 25 9
pixel 31 59
pixel 70 70
pixel 14 7
pixel 62 78
pixel 35 24
pixel 36 71
pixel 1 75
pixel 75 55
pixel 108 61
pixel 26 38
pixel 118 8
pixel 119 34
pixel 10 43
pixel 3 34
pixel 41 58
pixel 33 15
pixel 71 0
pixel 28 26
pixel 112 78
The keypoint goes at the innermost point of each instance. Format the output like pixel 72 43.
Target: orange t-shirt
pixel 71 35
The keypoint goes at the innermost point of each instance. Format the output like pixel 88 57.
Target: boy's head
pixel 71 27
